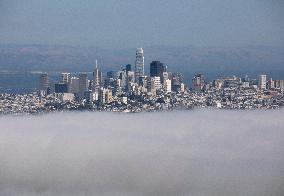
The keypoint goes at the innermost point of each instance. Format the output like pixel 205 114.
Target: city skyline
pixel 141 97
pixel 128 90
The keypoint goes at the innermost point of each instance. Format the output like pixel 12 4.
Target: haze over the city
pixel 127 23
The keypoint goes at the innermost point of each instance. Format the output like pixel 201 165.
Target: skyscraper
pixel 262 81
pixel 74 85
pixel 155 83
pixel 83 84
pixel 198 82
pixel 128 67
pixel 61 88
pixel 156 69
pixel 168 85
pixel 65 78
pixel 139 64
pixel 44 82
pixel 97 77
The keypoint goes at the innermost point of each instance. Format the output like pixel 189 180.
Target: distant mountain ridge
pixel 213 61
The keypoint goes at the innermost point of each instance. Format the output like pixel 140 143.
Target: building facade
pixel 262 81
pixel 139 64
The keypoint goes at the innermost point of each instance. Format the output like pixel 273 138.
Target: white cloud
pixel 198 153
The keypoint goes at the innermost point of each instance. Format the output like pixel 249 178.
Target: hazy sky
pixel 128 23
pixel 196 153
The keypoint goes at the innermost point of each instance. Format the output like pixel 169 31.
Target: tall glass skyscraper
pixel 139 64
pixel 156 69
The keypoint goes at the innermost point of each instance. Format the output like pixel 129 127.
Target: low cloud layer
pixel 196 153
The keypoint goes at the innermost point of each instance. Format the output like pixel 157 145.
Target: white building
pixel 155 83
pixel 182 87
pixel 65 78
pixel 262 81
pixel 165 76
pixel 66 96
pixel 168 85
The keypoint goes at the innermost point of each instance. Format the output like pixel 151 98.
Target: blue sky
pixel 128 23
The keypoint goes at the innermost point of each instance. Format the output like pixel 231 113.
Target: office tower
pixel 156 69
pixel 97 77
pixel 61 88
pixel 165 77
pixel 262 81
pixel 168 85
pixel 83 84
pixel 271 84
pixel 177 79
pixel 128 67
pixel 155 83
pixel 108 96
pixel 130 76
pixel 198 82
pixel 74 85
pixel 142 81
pixel 122 76
pixel 110 74
pixel 44 82
pixel 109 81
pixel 279 84
pixel 130 80
pixel 88 96
pixel 65 78
pixel 139 64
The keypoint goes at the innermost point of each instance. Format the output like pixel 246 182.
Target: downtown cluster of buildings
pixel 115 85
pixel 130 90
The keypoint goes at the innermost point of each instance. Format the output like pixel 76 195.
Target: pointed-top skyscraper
pixel 97 77
pixel 139 64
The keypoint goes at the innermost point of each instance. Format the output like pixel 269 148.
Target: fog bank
pixel 196 153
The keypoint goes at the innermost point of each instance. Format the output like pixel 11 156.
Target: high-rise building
pixel 279 84
pixel 130 76
pixel 44 82
pixel 61 88
pixel 156 69
pixel 168 85
pixel 155 83
pixel 177 79
pixel 74 85
pixel 122 75
pixel 271 84
pixel 262 81
pixel 83 84
pixel 165 77
pixel 110 74
pixel 65 78
pixel 128 67
pixel 97 77
pixel 198 82
pixel 139 64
